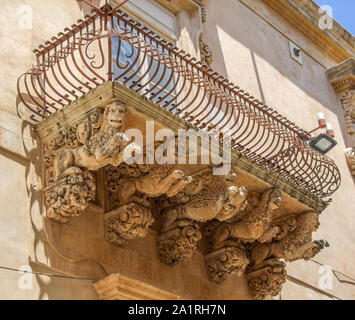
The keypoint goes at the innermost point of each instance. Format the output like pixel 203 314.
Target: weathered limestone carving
pixel 267 279
pixel 347 98
pixel 127 222
pixel 70 196
pixel 91 144
pixel 289 239
pixel 99 149
pixel 207 197
pixel 202 4
pixel 206 53
pixel 129 182
pixel 350 158
pixel 178 244
pixel 225 262
pixel 252 225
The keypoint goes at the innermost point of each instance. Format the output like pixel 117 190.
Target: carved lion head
pixel 114 114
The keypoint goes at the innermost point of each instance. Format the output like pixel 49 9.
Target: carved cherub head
pixel 115 114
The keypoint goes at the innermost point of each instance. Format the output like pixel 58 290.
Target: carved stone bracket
pixel 90 144
pixel 253 242
pixel 226 262
pixel 127 222
pixel 268 280
pixel 206 198
pixel 70 196
pixel 179 243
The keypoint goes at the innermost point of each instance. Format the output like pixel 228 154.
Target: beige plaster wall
pixel 19 179
pixel 256 56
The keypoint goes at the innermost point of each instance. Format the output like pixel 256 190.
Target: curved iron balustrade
pixel 113 47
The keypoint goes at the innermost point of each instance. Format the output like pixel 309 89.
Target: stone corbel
pixel 131 190
pixel 71 155
pixel 268 279
pixel 207 198
pixel 253 242
pixel 128 222
pixel 228 239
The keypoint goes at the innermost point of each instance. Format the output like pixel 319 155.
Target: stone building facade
pixel 86 225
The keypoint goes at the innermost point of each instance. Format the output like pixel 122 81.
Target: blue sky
pixel 343 12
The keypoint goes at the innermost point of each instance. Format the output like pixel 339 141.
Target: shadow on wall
pixel 44 251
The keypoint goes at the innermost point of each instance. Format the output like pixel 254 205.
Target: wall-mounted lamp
pixel 324 142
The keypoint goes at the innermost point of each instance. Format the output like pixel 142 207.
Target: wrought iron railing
pixel 110 46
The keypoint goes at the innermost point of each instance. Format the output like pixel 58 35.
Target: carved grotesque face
pixel 234 201
pixel 309 221
pixel 115 114
pixel 133 222
pixel 275 199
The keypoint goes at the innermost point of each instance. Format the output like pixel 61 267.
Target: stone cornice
pixel 119 287
pixel 304 15
pixel 342 76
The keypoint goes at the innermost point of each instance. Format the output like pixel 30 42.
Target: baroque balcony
pixel 109 63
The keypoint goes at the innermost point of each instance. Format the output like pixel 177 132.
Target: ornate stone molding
pixel 342 78
pixel 127 222
pixel 205 51
pixel 119 287
pixel 305 16
pixel 350 158
pixel 347 97
pixel 202 4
